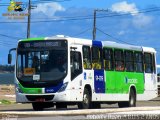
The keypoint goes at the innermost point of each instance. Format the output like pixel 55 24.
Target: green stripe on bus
pixel 30 90
pixel 33 39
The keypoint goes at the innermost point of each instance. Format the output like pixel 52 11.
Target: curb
pixel 77 112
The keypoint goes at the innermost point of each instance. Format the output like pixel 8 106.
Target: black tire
pixel 122 104
pixel 86 103
pixel 96 105
pixel 37 106
pixel 48 104
pixel 131 102
pixel 132 98
pixel 61 106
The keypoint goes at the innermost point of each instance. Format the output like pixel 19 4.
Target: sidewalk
pixel 7 92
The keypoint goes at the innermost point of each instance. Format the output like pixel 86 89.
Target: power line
pixel 82 32
pixel 12 37
pixel 112 36
pixel 36 2
pixel 6 44
pixel 102 15
pixel 44 1
pixel 86 17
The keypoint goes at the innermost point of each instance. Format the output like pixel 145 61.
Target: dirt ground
pixel 7 92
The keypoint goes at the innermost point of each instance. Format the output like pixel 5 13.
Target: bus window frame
pixel 154 63
pixel 121 60
pixel 90 56
pixel 100 58
pixel 142 61
pixel 127 61
pixel 80 65
pixel 110 60
pixel 148 63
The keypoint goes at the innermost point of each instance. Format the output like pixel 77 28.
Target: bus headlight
pixel 63 87
pixel 18 89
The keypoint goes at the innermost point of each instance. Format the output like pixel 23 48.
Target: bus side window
pixel 76 64
pixel 87 57
pixel 148 63
pixel 119 60
pixel 129 61
pixel 153 63
pixel 108 59
pixel 96 58
pixel 138 62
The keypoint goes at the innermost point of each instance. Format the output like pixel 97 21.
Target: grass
pixel 6 102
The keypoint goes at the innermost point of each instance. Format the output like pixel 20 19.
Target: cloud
pixel 139 20
pixel 49 9
pixel 124 7
pixel 121 32
pixel 142 20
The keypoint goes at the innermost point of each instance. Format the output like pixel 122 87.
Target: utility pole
pixel 29 19
pixel 94 22
pixel 94 25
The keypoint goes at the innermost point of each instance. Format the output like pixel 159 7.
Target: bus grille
pixel 34 98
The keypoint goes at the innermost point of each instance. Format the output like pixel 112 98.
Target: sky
pixel 134 22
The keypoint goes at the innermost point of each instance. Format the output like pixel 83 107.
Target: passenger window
pixel 87 57
pixel 119 60
pixel 108 59
pixel 96 58
pixel 129 61
pixel 138 62
pixel 76 64
pixel 148 63
pixel 154 67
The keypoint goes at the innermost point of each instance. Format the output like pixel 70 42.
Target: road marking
pixel 80 112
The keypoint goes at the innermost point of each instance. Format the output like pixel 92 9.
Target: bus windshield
pixel 43 63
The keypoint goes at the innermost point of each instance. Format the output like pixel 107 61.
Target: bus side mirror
pixel 9 58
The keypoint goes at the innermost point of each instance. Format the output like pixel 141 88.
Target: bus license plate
pixel 40 100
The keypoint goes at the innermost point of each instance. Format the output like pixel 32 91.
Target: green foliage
pixel 5 102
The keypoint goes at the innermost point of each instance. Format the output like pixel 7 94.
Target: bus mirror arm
pixel 10 55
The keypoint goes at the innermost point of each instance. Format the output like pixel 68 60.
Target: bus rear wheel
pixel 86 102
pixel 96 105
pixel 131 102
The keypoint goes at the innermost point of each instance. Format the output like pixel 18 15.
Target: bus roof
pixel 81 41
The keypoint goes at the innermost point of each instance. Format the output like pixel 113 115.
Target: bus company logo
pixel 49 90
pixel 99 78
pixel 133 81
pixel 15 10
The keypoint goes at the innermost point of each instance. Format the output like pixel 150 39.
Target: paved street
pixel 28 107
pixel 109 108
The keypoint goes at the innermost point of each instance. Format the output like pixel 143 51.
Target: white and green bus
pixel 63 71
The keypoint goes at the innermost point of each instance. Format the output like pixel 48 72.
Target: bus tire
pixel 131 102
pixel 86 102
pixel 132 98
pixel 96 105
pixel 37 106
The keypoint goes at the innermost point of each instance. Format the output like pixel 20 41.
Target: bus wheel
pixel 37 106
pixel 85 104
pixel 96 105
pixel 132 98
pixel 131 102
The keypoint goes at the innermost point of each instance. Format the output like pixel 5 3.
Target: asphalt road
pixel 28 107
